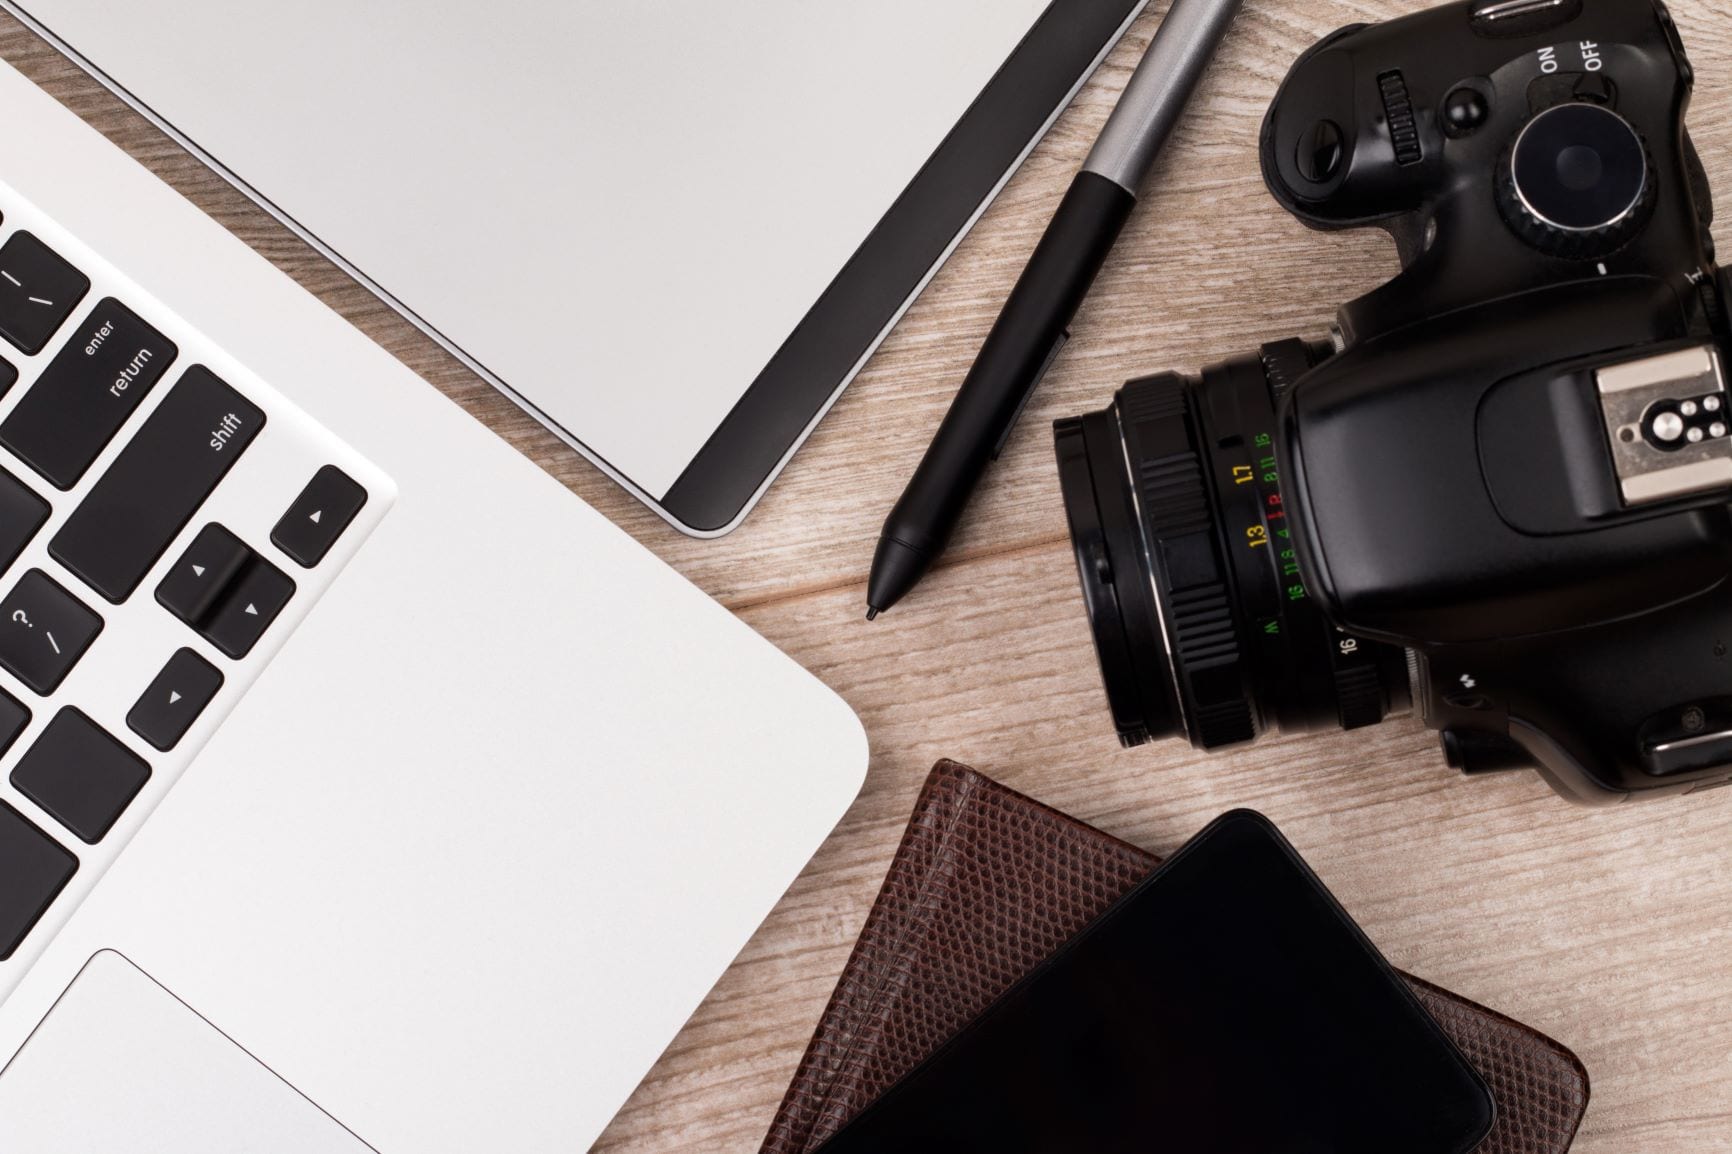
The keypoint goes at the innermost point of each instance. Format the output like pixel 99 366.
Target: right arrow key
pixel 175 699
pixel 319 516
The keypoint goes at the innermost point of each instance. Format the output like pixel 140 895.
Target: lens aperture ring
pixel 1179 523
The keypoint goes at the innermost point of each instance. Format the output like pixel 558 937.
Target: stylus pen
pixel 1035 321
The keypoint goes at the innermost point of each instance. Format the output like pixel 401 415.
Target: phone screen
pixel 1228 1005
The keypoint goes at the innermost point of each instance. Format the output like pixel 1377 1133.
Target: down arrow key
pixel 248 609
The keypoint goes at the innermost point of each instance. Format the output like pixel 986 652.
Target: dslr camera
pixel 1500 492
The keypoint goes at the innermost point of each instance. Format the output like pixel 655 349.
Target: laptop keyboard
pixel 165 520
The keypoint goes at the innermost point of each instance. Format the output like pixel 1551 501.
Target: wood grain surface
pixel 1609 929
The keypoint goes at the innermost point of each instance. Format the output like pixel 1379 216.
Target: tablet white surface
pixel 619 210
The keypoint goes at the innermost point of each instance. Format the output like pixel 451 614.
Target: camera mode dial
pixel 1576 181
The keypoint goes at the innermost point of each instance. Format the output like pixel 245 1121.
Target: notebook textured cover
pixel 986 885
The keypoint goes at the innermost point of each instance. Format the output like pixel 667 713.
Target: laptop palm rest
pixel 121 1063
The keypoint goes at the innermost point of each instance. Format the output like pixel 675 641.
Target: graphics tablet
pixel 1226 1006
pixel 671 231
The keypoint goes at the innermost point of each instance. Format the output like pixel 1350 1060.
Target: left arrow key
pixel 175 699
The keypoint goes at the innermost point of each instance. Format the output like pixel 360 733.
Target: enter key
pixel 86 393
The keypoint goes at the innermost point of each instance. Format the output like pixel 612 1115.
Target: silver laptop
pixel 360 788
pixel 671 230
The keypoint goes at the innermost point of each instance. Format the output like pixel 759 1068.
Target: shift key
pixel 86 393
pixel 157 483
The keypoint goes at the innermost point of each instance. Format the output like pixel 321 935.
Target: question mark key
pixel 44 630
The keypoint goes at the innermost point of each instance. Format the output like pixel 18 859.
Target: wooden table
pixel 1609 929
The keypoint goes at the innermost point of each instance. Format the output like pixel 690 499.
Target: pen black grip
pixel 1010 363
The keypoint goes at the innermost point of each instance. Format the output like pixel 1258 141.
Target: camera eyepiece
pixel 1189 570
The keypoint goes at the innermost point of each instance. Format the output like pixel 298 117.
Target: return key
pixel 86 393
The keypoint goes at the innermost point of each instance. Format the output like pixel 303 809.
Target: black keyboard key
pixel 86 393
pixel 35 868
pixel 319 516
pixel 203 574
pixel 8 376
pixel 22 513
pixel 80 776
pixel 157 483
pixel 248 609
pixel 44 630
pixel 225 590
pixel 38 291
pixel 13 718
pixel 175 699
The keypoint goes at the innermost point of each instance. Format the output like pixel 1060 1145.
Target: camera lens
pixel 1189 567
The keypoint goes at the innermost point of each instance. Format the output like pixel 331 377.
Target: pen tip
pixel 871 612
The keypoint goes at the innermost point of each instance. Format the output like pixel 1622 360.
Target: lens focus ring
pixel 1195 601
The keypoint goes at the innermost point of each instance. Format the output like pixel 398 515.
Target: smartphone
pixel 1227 1005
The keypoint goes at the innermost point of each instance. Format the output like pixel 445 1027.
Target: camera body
pixel 1513 461
pixel 1452 472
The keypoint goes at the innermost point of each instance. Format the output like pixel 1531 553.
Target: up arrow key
pixel 203 575
pixel 252 610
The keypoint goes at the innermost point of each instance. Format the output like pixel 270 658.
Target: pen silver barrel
pixel 1159 89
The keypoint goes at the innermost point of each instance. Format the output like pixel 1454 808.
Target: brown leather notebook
pixel 986 885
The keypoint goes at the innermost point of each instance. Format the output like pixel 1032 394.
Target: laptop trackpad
pixel 122 1066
